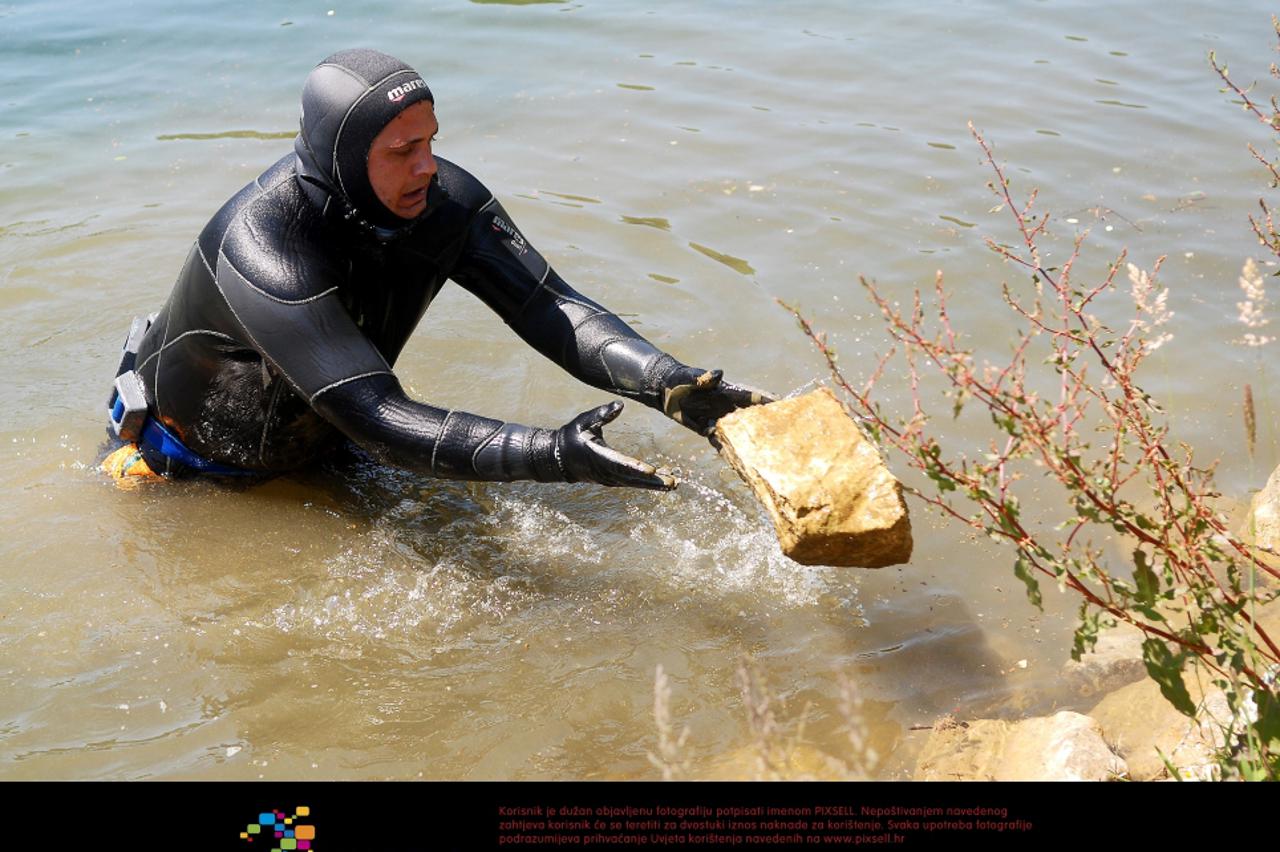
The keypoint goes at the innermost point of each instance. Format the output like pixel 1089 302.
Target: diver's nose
pixel 426 166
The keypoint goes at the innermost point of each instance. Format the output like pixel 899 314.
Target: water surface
pixel 684 167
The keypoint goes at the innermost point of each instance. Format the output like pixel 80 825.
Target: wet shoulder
pixel 462 197
pixel 460 187
pixel 270 236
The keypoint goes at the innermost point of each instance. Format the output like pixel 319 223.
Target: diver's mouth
pixel 413 199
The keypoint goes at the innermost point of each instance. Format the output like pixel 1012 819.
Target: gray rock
pixel 1115 661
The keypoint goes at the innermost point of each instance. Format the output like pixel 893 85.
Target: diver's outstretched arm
pixel 375 413
pixel 587 340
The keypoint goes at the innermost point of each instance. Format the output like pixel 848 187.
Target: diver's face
pixel 400 161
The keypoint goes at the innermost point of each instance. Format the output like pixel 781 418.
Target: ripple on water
pixel 367 596
pixel 1113 102
pixel 585 199
pixel 718 548
pixel 737 264
pixel 397 591
pixel 229 134
pixel 648 221
pixel 518 550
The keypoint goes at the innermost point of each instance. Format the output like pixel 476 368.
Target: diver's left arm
pixel 501 267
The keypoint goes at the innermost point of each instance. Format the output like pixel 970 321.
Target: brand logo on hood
pixel 397 94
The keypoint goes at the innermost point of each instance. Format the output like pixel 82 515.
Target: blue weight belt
pixel 156 439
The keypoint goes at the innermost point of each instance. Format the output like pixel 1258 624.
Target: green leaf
pixel 1148 582
pixel 1086 635
pixel 1268 724
pixel 944 482
pixel 1251 771
pixel 1007 423
pixel 1165 668
pixel 1023 571
pixel 1207 623
pixel 1153 614
pixel 1008 517
pixel 1234 577
pixel 930 454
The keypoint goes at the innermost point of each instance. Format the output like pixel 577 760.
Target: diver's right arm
pixel 375 413
pixel 291 311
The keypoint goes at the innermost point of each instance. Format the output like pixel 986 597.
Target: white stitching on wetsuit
pixel 484 443
pixel 277 299
pixel 333 385
pixel 204 259
pixel 166 345
pixel 440 440
pixel 168 320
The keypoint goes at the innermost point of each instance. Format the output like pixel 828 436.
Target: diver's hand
pixel 585 457
pixel 697 398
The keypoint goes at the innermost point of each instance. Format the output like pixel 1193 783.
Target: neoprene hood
pixel 346 101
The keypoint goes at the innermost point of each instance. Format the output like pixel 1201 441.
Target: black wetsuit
pixel 280 335
pixel 283 328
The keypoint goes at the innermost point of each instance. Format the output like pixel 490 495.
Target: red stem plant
pixel 1192 586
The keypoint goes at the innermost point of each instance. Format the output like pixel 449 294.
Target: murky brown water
pixel 682 168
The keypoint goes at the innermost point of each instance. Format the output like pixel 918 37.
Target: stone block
pixel 1064 747
pixel 1262 525
pixel 1142 725
pixel 832 499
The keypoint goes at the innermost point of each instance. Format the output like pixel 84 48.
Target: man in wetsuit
pixel 279 337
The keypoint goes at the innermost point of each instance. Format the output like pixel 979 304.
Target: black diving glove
pixel 697 398
pixel 583 456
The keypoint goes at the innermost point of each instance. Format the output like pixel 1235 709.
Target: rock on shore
pixel 1063 747
pixel 1262 526
pixel 1115 661
pixel 1129 733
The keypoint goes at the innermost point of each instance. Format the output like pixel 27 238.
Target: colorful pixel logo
pixel 284 831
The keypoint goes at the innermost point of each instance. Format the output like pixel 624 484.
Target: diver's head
pixel 351 101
